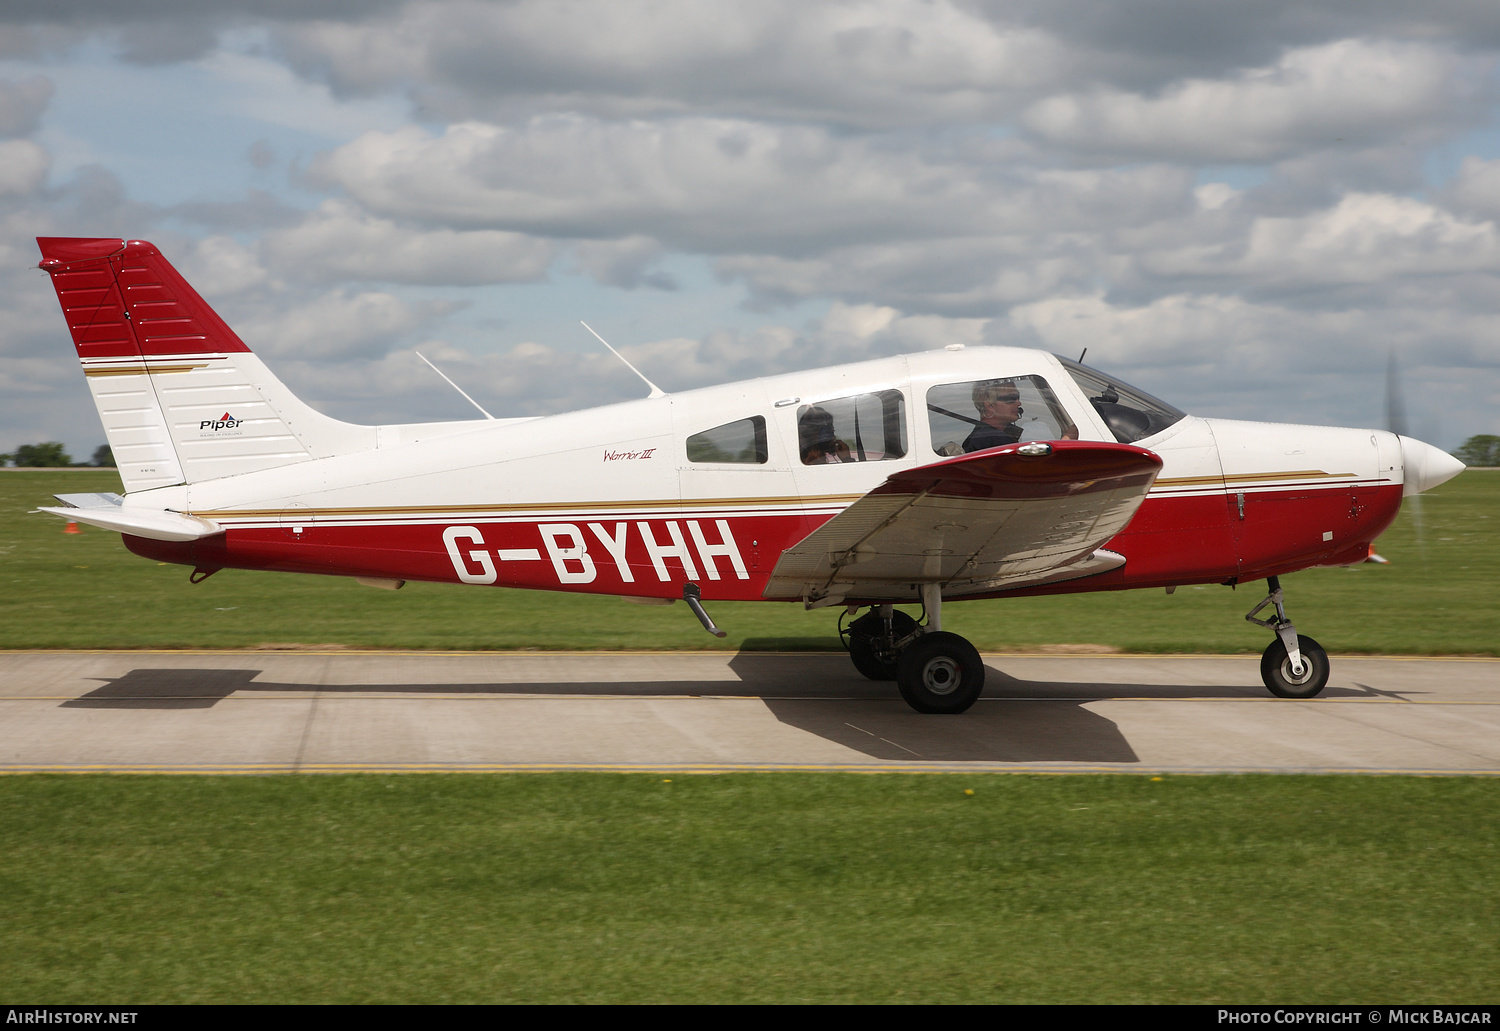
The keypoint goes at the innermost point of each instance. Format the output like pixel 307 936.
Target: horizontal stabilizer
pixel 91 500
pixel 157 524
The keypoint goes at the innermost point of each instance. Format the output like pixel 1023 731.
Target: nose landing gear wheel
pixel 867 645
pixel 1276 669
pixel 940 673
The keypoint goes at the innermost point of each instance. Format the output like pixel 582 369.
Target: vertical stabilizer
pixel 181 397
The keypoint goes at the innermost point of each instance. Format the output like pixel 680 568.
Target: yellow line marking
pixel 896 767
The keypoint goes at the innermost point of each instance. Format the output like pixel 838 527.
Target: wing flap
pixel 976 523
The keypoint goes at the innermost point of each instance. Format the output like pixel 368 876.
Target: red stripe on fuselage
pixel 1171 541
pixel 734 566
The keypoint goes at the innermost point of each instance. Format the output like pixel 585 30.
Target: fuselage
pixel 712 485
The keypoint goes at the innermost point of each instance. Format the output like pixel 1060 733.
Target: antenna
pixel 1080 357
pixel 454 385
pixel 656 391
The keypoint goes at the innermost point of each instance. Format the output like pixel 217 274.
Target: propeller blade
pixel 1395 409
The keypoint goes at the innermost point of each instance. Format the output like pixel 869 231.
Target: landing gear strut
pixel 1292 666
pixel 936 672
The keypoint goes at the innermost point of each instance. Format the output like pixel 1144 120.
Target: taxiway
pixel 270 712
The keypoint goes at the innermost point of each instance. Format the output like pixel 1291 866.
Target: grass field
pixel 749 888
pixel 1437 596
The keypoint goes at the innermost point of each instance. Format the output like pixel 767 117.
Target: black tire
pixel 862 635
pixel 1276 669
pixel 940 673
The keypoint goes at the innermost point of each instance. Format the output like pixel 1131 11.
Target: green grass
pixel 1437 596
pixel 750 887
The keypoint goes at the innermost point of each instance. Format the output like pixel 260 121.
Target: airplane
pixel 947 475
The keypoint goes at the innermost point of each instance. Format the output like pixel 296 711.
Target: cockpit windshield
pixel 1130 414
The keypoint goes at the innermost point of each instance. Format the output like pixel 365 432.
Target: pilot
pixel 998 402
pixel 818 443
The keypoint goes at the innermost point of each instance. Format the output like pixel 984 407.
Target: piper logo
pixel 223 422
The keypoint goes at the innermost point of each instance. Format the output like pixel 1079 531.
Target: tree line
pixel 52 455
pixel 1481 449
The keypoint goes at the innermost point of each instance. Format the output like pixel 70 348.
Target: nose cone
pixel 1425 466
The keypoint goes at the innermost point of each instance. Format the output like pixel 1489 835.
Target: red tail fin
pixel 123 299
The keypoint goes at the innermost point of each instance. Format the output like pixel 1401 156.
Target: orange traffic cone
pixel 71 528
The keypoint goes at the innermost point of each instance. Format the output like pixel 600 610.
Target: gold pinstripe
pixel 419 511
pixel 137 370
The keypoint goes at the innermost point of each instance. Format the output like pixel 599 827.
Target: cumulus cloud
pixel 693 182
pixel 1372 237
pixel 23 166
pixel 1363 239
pixel 624 263
pixel 339 324
pixel 871 63
pixel 218 266
pixel 340 242
pixel 1182 328
pixel 712 185
pixel 973 277
pixel 1476 188
pixel 1351 91
pixel 22 103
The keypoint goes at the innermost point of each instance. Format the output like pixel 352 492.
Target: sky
pixel 1249 210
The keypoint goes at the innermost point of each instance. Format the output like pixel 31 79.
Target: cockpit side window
pixel 1131 414
pixel 861 428
pixel 735 443
pixel 978 414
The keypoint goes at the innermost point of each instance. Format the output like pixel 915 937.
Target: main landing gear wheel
pixel 940 673
pixel 1276 669
pixel 867 643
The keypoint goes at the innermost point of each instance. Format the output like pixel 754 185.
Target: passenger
pixel 818 443
pixel 998 402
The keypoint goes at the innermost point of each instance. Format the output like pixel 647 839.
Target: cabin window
pixel 1130 414
pixel 862 428
pixel 735 443
pixel 985 413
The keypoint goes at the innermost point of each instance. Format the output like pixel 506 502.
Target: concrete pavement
pixel 259 712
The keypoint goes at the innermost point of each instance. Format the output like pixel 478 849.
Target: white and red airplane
pixel 971 472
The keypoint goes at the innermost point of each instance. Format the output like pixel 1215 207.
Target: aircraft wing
pixel 1012 516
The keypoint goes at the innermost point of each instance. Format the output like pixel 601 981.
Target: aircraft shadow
pixel 761 675
pixel 1020 732
pixel 819 694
